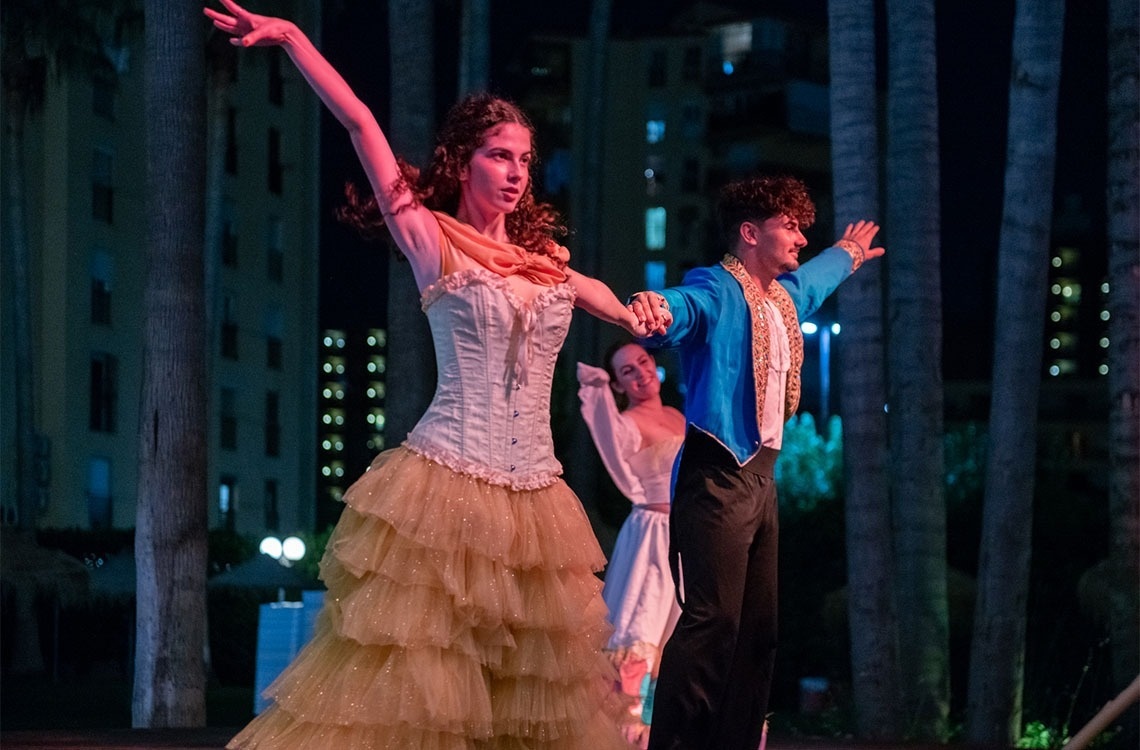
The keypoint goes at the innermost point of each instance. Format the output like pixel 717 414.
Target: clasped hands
pixel 652 311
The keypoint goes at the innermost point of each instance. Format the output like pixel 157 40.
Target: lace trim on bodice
pixel 454 281
pixel 526 312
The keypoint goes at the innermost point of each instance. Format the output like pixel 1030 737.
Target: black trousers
pixel 716 669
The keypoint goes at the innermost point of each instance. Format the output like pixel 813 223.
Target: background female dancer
pixel 638 444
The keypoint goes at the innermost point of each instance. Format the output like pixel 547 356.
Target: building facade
pixel 85 215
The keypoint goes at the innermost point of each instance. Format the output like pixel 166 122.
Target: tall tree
pixel 1124 334
pixel 474 46
pixel 582 463
pixel 872 623
pixel 915 368
pixel 997 653
pixel 411 38
pixel 170 532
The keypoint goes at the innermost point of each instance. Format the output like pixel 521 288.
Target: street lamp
pixel 825 333
pixel 286 552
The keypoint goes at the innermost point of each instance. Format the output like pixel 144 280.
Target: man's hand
pixel 856 240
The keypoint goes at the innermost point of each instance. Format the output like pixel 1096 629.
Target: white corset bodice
pixel 495 355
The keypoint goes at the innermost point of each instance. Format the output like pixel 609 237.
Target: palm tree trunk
pixel 475 47
pixel 915 367
pixel 170 534
pixel 581 460
pixel 411 358
pixel 871 616
pixel 1124 334
pixel 997 654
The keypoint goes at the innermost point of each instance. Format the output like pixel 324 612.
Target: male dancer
pixel 736 325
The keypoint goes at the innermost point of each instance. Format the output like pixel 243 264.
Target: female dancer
pixel 462 607
pixel 638 445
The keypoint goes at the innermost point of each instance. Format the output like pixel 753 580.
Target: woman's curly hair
pixel 760 199
pixel 532 225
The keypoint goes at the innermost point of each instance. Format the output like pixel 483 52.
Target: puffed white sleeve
pixel 615 436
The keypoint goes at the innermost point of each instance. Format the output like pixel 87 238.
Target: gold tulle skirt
pixel 459 614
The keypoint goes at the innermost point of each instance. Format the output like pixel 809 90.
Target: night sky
pixel 974 38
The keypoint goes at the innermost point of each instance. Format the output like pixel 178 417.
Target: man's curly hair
pixel 762 198
pixel 532 225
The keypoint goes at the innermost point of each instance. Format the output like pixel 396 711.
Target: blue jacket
pixel 712 329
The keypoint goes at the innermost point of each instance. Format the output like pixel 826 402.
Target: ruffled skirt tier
pixel 459 614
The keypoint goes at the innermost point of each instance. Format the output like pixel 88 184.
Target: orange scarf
pixel 504 258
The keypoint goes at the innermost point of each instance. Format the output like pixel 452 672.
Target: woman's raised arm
pixel 413 227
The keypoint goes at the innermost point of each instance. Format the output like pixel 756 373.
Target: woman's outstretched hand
pixel 249 29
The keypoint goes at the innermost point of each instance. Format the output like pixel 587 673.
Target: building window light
pixel 655 228
pixel 654 131
pixel 655 274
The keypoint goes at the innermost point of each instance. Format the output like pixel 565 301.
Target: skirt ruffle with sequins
pixel 459 614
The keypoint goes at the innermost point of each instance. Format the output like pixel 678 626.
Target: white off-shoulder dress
pixel 639 589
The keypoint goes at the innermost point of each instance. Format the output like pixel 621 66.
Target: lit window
pixel 655 228
pixel 655 274
pixel 228 501
pixel 735 44
pixel 99 493
pixel 654 131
